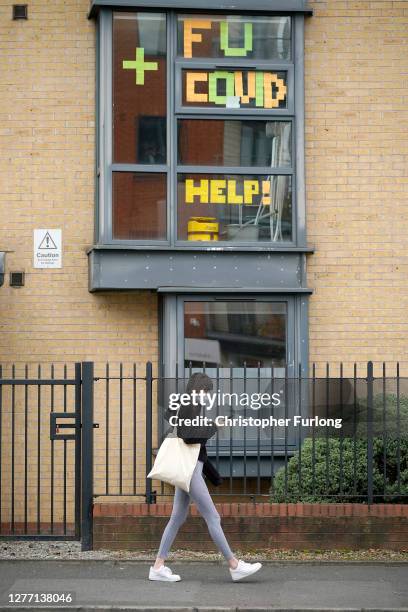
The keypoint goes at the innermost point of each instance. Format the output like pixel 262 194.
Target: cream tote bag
pixel 175 462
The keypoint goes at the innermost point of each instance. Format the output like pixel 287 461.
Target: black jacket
pixel 198 434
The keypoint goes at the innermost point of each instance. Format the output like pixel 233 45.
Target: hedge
pixel 334 469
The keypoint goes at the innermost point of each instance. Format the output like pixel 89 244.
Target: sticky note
pixel 235 51
pixel 190 36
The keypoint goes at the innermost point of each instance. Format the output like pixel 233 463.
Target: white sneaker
pixel 164 573
pixel 244 569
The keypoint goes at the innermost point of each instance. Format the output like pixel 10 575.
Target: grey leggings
pixel 202 498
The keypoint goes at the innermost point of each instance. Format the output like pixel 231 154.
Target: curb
pixel 199 609
pixel 397 562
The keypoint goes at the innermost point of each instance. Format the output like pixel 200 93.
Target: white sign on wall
pixel 47 248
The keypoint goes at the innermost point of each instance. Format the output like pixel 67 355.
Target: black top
pixel 193 434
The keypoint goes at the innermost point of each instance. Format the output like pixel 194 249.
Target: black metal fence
pixel 45 480
pixel 363 460
pixel 47 414
pixel 343 439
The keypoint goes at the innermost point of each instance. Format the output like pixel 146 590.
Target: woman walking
pixel 198 493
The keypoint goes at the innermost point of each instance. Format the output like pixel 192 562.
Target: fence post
pixel 87 454
pixel 370 417
pixel 149 430
pixel 78 453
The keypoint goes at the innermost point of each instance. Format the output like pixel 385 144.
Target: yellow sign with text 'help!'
pixel 224 191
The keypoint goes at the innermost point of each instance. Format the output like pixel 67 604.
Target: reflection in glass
pixel 211 142
pixel 238 208
pixel 230 333
pixel 139 90
pixel 234 36
pixel 139 206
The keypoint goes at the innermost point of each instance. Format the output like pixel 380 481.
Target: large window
pixel 203 130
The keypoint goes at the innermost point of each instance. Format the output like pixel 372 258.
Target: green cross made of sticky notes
pixel 139 65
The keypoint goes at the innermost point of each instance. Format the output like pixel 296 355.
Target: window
pixel 139 110
pixel 139 205
pixel 234 207
pixel 215 142
pixel 139 88
pixel 203 132
pixel 239 343
pixel 234 89
pixel 227 334
pixel 266 38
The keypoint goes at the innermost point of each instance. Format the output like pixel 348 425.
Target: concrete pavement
pixel 123 585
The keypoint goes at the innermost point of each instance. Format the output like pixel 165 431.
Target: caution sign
pixel 47 248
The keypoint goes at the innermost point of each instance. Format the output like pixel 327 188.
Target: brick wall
pixel 356 60
pixel 47 164
pixel 250 527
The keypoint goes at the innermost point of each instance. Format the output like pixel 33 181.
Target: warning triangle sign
pixel 47 242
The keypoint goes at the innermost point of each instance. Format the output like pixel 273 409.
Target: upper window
pixel 203 130
pixel 234 36
pixel 139 78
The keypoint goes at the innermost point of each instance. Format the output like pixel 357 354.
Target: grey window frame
pixel 172 337
pixel 232 170
pixel 172 322
pixel 104 148
pixel 290 322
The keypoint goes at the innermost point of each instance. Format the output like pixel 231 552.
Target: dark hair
pixel 199 381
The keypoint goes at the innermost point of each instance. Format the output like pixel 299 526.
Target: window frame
pixel 104 149
pixel 172 336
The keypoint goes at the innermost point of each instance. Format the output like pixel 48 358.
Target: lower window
pixel 231 334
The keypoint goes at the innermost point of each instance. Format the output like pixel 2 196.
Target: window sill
pixel 114 267
pixel 133 246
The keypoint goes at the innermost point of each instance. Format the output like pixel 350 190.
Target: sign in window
pixel 234 36
pixel 262 89
pixel 234 207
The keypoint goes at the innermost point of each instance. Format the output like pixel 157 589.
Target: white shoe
pixel 244 569
pixel 164 573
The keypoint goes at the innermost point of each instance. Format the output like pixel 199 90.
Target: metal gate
pixel 46 452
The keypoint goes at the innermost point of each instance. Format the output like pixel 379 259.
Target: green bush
pixel 335 470
pixel 388 416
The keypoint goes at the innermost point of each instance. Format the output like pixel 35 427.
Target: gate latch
pixel 56 426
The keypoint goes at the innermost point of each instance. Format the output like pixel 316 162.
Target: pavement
pixel 207 586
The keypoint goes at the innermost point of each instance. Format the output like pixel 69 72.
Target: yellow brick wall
pixel 47 142
pixel 356 90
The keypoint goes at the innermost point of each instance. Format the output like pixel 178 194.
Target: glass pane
pixel 237 208
pixel 234 143
pixel 226 336
pixel 231 333
pixel 234 89
pixel 139 206
pixel 234 36
pixel 139 88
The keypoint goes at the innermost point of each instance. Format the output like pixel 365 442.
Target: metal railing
pixel 45 479
pixel 42 465
pixel 365 460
